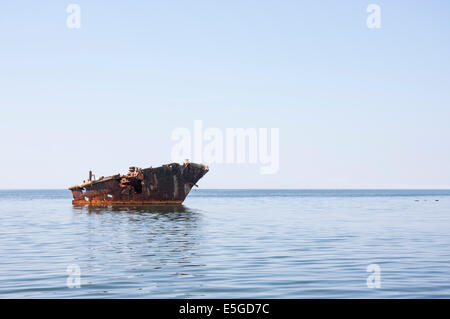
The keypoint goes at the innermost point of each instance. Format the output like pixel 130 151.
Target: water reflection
pixel 141 240
pixel 134 209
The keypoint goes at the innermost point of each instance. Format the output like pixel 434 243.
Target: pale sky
pixel 355 107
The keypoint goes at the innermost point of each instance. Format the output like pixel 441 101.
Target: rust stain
pixel 168 184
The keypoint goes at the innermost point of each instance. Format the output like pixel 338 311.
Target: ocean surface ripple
pixel 229 244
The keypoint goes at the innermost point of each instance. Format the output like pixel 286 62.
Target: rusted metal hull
pixel 165 185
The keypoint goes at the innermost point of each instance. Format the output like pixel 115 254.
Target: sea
pixel 229 244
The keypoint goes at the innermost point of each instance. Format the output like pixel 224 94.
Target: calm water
pixel 228 244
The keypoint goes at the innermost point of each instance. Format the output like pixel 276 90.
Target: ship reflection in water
pixel 146 247
pixel 171 210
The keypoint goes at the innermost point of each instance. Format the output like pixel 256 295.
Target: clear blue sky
pixel 356 107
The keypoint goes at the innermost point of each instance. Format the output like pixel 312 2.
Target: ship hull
pixel 102 203
pixel 165 185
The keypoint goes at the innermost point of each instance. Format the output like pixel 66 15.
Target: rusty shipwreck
pixel 168 184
